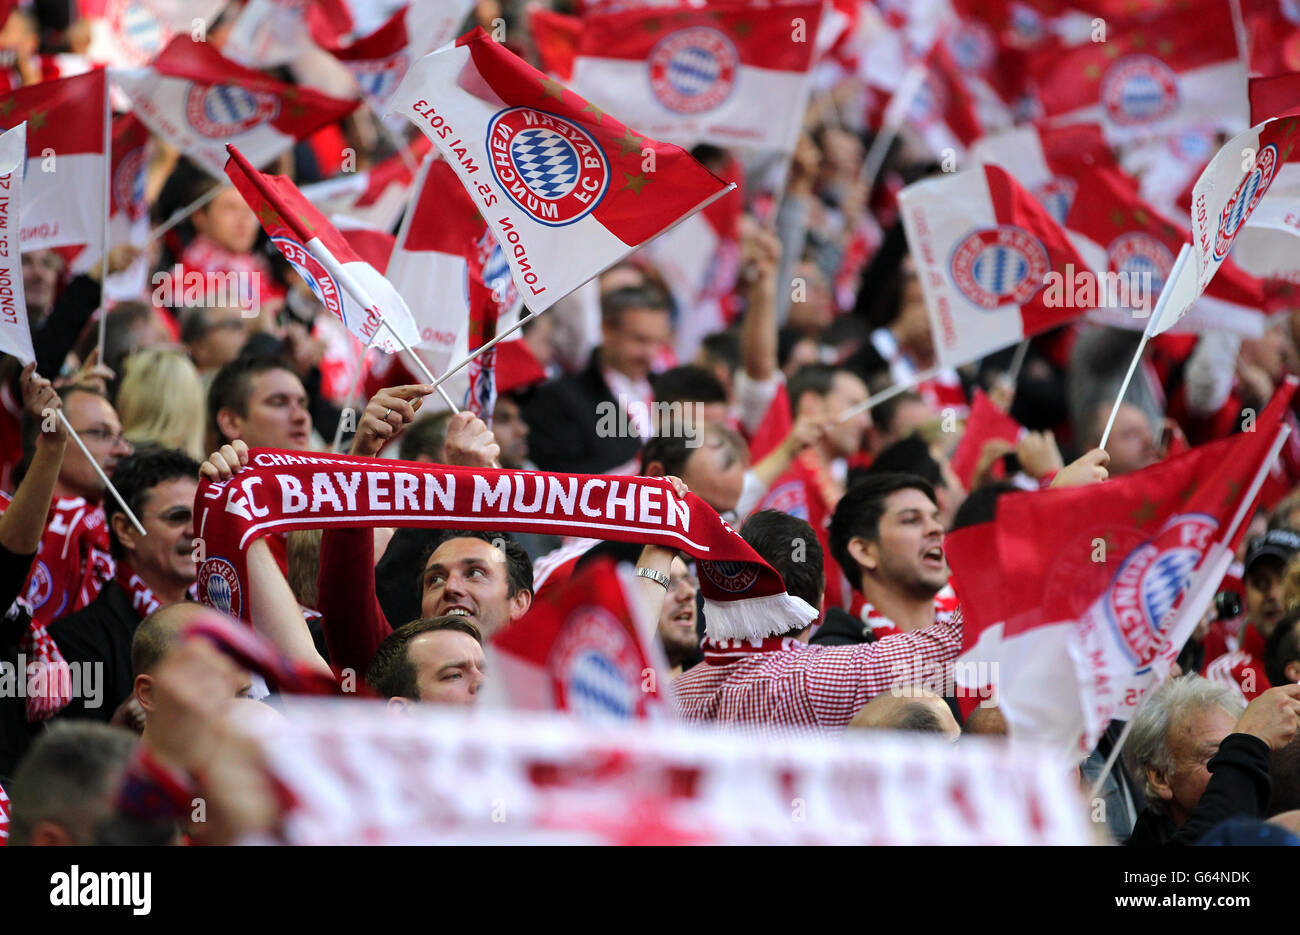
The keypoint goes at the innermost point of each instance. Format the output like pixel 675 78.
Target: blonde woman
pixel 161 402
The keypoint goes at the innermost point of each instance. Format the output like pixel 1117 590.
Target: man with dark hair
pixel 914 455
pixel 261 401
pixel 67 784
pixel 214 336
pixel 437 660
pixel 898 417
pixel 425 438
pixel 789 545
pixel 1282 651
pixel 152 570
pixel 702 397
pixel 594 422
pixel 712 461
pixel 887 538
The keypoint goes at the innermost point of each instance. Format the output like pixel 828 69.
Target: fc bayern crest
pixel 1150 583
pixel 732 577
pixel 219 111
pixel 1138 90
pixel 320 282
pixel 1057 196
pixel 128 183
pixel 1244 199
pixel 378 78
pixel 596 667
pixel 137 33
pixel 219 586
pixel 972 46
pixel 1139 252
pixel 552 169
pixel 998 266
pixel 40 586
pixel 929 103
pixel 693 70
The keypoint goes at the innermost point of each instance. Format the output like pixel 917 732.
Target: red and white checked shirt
pixel 815 687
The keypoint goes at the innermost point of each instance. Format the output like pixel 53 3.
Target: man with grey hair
pixel 65 786
pixel 1202 758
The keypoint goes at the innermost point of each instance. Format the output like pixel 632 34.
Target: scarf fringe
pixel 754 618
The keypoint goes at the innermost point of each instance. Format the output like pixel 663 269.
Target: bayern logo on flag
pixel 137 31
pixel 219 111
pixel 550 168
pixel 128 184
pixel 597 667
pixel 1150 583
pixel 999 266
pixel 1243 201
pixel 378 78
pixel 1139 89
pixel 972 46
pixel 929 103
pixel 313 274
pixel 1138 252
pixel 219 586
pixel 1057 196
pixel 693 70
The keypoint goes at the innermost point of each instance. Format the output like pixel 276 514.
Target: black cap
pixel 1278 543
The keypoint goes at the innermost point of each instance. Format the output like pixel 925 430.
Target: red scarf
pixel 142 597
pixel 725 652
pixel 282 490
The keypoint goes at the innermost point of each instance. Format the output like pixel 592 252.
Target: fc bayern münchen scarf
pixel 281 490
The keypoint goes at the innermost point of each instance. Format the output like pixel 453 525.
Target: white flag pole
pixel 108 484
pixel 182 213
pixel 919 377
pixel 894 118
pixel 1153 328
pixel 108 209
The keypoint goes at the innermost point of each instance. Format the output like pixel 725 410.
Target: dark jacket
pixel 100 632
pixel 564 425
pixel 1239 788
pixel 841 628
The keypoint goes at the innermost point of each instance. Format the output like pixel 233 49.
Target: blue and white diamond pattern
pixel 546 161
pixel 1000 270
pixel 228 103
pixel 692 71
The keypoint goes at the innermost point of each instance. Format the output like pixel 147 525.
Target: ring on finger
pixel 387 413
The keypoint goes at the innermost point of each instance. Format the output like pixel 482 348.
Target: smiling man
pixel 485 578
pixel 261 401
pixel 887 538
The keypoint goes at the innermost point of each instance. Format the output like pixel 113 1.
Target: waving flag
pixel 567 189
pixel 984 249
pixel 1047 160
pixel 985 423
pixel 585 650
pixel 373 197
pixel 323 257
pixel 128 219
pixel 198 102
pixel 1149 78
pixel 130 33
pixel 726 76
pixel 63 201
pixel 269 33
pixel 15 332
pixel 556 37
pixel 379 61
pixel 1109 582
pixel 942 111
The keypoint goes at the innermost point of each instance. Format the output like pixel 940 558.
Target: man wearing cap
pixel 1266 560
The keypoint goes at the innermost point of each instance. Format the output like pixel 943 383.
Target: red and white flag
pixel 985 423
pixel 130 33
pixel 1047 160
pixel 337 275
pixel 269 33
pixel 943 112
pixel 198 101
pixel 15 332
pixel 1078 599
pixel 378 61
pixel 726 76
pixel 567 189
pixel 373 197
pixel 1149 78
pixel 128 219
pixel 586 649
pixel 985 250
pixel 556 37
pixel 67 137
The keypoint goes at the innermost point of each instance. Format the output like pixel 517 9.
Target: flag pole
pixel 486 347
pixel 108 209
pixel 182 213
pixel 1153 328
pixel 919 377
pixel 895 115
pixel 1018 363
pixel 108 484
pixel 351 398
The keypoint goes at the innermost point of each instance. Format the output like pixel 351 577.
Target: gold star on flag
pixel 1111 51
pixel 1139 41
pixel 1140 216
pixel 268 216
pixel 1164 46
pixel 1234 488
pixel 743 28
pixel 7 107
pixel 652 25
pixel 36 119
pixel 634 182
pixel 302 219
pixel 552 88
pixel 1117 217
pixel 595 110
pixel 1092 72
pixel 1145 513
pixel 629 143
pixel 1191 489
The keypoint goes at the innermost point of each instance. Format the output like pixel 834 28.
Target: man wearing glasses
pixel 152 571
pixel 73 563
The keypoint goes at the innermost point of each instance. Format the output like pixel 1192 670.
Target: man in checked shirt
pixel 778 681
